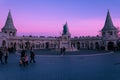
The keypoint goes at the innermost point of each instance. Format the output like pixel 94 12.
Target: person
pixel 32 57
pixel 64 50
pixel 21 62
pixel 1 54
pixel 23 53
pixel 6 55
pixel 26 59
pixel 22 58
pixel 61 51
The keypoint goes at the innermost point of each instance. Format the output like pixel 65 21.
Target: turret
pixel 109 30
pixel 9 27
pixel 109 34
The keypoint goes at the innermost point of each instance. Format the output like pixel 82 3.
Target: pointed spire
pixel 108 23
pixel 65 29
pixel 9 22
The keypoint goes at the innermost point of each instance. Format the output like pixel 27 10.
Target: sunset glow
pixel 47 17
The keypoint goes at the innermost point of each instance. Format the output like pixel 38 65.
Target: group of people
pixel 4 54
pixel 62 51
pixel 24 59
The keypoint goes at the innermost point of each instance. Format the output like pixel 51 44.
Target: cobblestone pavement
pixel 67 67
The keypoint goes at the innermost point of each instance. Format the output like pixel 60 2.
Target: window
pixel 110 33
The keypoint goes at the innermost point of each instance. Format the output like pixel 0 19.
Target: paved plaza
pixel 99 65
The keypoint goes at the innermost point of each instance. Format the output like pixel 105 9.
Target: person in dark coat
pixel 32 57
pixel 61 51
pixel 22 58
pixel 1 54
pixel 6 55
pixel 64 50
pixel 26 59
pixel 23 53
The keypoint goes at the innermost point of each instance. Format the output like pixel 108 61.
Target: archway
pixel 110 46
pixel 96 45
pixel 3 43
pixel 78 45
pixel 91 45
pixel 14 46
pixel 47 45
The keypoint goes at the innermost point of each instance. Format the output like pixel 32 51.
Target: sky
pixel 47 17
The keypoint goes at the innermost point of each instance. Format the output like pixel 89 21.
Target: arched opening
pixel 14 46
pixel 96 45
pixel 118 45
pixel 78 45
pixel 3 43
pixel 10 34
pixel 91 45
pixel 47 45
pixel 27 45
pixel 11 47
pixel 110 46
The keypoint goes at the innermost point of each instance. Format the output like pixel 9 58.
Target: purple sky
pixel 46 17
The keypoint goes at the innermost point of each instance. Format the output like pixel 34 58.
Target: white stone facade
pixel 108 39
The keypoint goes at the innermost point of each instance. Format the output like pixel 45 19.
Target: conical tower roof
pixel 9 25
pixel 108 23
pixel 65 29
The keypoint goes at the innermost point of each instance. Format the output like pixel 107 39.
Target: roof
pixel 9 25
pixel 108 23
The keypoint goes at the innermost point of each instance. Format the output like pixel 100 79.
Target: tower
pixel 9 27
pixel 65 38
pixel 109 33
pixel 66 34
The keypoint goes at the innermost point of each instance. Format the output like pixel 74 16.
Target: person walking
pixel 1 54
pixel 6 55
pixel 23 52
pixel 64 50
pixel 26 59
pixel 22 58
pixel 32 57
pixel 61 51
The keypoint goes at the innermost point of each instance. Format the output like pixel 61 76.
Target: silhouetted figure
pixel 6 55
pixel 22 58
pixel 1 54
pixel 9 49
pixel 26 59
pixel 64 50
pixel 20 62
pixel 61 51
pixel 23 53
pixel 32 57
pixel 23 61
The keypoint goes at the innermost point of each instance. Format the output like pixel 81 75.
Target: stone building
pixel 108 40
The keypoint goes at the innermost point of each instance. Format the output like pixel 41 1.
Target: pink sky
pixel 54 28
pixel 47 17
